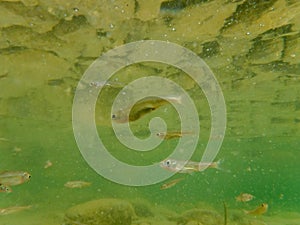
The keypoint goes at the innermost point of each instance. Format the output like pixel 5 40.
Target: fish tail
pixel 177 99
pixel 217 165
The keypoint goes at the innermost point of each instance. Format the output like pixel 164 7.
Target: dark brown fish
pixel 141 108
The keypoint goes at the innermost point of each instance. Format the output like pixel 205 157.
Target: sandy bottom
pixel 33 217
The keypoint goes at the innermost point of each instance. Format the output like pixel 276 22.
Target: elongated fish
pixel 170 183
pixel 12 178
pixel 13 209
pixel 172 134
pixel 187 166
pixel 141 108
pixel 263 208
pixel 77 184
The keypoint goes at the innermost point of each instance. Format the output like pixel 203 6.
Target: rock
pixel 142 208
pixel 100 212
pixel 198 216
pixel 153 221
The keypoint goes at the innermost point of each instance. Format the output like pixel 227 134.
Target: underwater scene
pixel 191 115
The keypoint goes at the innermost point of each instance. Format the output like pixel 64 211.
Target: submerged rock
pixel 142 208
pixel 100 212
pixel 198 216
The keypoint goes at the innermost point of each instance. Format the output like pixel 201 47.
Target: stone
pixel 100 212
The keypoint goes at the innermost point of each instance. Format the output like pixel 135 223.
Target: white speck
pixel 248 33
pixel 173 29
pixel 111 26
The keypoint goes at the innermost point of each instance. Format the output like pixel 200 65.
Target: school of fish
pixel 141 108
pixel 12 178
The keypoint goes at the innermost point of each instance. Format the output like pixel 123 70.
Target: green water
pixel 253 49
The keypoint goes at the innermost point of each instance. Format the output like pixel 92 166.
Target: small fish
pixel 281 196
pixel 113 84
pixel 4 188
pixel 3 139
pixel 14 209
pixel 187 166
pixel 141 108
pixel 48 164
pixel 77 184
pixel 172 134
pixel 12 178
pixel 17 149
pixel 244 197
pixel 170 184
pixel 4 75
pixel 259 210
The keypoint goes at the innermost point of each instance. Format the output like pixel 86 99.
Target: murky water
pixel 253 49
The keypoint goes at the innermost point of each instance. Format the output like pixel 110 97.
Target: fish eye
pixel 113 116
pixel 168 162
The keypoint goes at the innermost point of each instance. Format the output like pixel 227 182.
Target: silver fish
pixel 14 209
pixel 77 184
pixel 12 178
pixel 187 166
